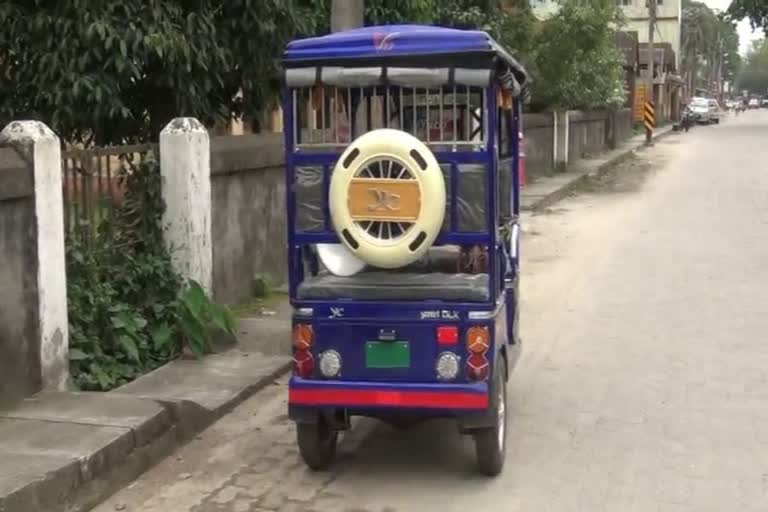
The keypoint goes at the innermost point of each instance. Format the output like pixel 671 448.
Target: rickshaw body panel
pixel 411 391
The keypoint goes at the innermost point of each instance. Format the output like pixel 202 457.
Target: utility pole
pixel 346 14
pixel 650 104
pixel 719 67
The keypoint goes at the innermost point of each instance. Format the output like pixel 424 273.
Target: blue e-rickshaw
pixel 403 218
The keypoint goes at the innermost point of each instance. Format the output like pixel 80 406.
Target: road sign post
pixel 649 103
pixel 649 119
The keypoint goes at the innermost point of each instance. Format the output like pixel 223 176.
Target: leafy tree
pixel 509 22
pixel 755 10
pixel 730 49
pixel 754 75
pixel 707 38
pixel 113 71
pixel 578 64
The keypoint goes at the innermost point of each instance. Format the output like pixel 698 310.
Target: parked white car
pixel 705 110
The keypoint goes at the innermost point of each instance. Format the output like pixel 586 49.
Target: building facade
pixel 669 16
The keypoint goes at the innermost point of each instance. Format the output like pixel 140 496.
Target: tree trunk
pixel 346 14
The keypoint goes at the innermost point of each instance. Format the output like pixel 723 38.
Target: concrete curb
pixel 69 451
pixel 197 393
pixel 585 169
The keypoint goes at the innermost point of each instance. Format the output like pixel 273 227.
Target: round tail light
pixel 478 367
pixel 478 340
pixel 303 336
pixel 303 363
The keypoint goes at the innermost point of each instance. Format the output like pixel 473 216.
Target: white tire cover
pixel 339 260
pixel 387 198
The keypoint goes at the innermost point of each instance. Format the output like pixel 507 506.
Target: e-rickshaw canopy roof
pixel 403 55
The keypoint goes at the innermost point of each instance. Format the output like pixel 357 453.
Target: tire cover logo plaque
pixel 384 200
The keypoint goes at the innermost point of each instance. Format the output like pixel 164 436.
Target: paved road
pixel 644 381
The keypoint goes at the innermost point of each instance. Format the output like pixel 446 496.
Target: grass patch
pixel 256 305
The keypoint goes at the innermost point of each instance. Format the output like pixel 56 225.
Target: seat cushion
pixel 389 285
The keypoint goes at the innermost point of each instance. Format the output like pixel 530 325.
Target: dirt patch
pixel 625 177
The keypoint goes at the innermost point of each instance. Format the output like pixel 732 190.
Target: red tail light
pixel 303 363
pixel 478 367
pixel 303 336
pixel 447 335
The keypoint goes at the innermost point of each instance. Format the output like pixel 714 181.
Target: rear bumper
pixel 444 398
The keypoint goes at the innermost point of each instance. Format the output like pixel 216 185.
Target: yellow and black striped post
pixel 649 119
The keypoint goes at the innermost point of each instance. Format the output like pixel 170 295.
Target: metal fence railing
pixel 93 183
pixel 442 116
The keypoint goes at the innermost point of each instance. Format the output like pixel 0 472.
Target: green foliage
pixel 705 38
pixel 577 62
pixel 262 285
pixel 114 71
pixel 380 12
pixel 754 76
pixel 512 25
pixel 111 72
pixel 755 10
pixel 129 312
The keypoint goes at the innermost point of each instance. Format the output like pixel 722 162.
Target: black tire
pixel 491 442
pixel 317 444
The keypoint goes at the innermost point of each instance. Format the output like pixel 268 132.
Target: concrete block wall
pixel 587 133
pixel 248 213
pixel 19 331
pixel 623 124
pixel 539 131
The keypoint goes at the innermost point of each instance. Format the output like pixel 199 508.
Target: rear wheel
pixel 491 442
pixel 317 444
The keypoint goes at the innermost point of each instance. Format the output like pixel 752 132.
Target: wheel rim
pixel 501 418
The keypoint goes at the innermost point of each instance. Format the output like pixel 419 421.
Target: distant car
pixel 753 103
pixel 764 103
pixel 714 111
pixel 704 110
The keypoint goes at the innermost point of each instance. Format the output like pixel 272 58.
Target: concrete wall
pixel 248 218
pixel 587 134
pixel 539 130
pixel 623 125
pixel 20 372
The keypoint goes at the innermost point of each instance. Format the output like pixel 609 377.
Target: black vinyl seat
pixel 392 285
pixel 432 278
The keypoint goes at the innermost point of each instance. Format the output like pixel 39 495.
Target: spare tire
pixel 387 198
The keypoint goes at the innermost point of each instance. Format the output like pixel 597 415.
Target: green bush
pixel 577 62
pixel 129 312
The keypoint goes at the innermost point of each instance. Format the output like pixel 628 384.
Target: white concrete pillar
pixel 560 143
pixel 43 149
pixel 185 165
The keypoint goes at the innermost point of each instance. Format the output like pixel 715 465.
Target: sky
pixel 746 36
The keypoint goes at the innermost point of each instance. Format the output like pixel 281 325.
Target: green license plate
pixel 387 354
